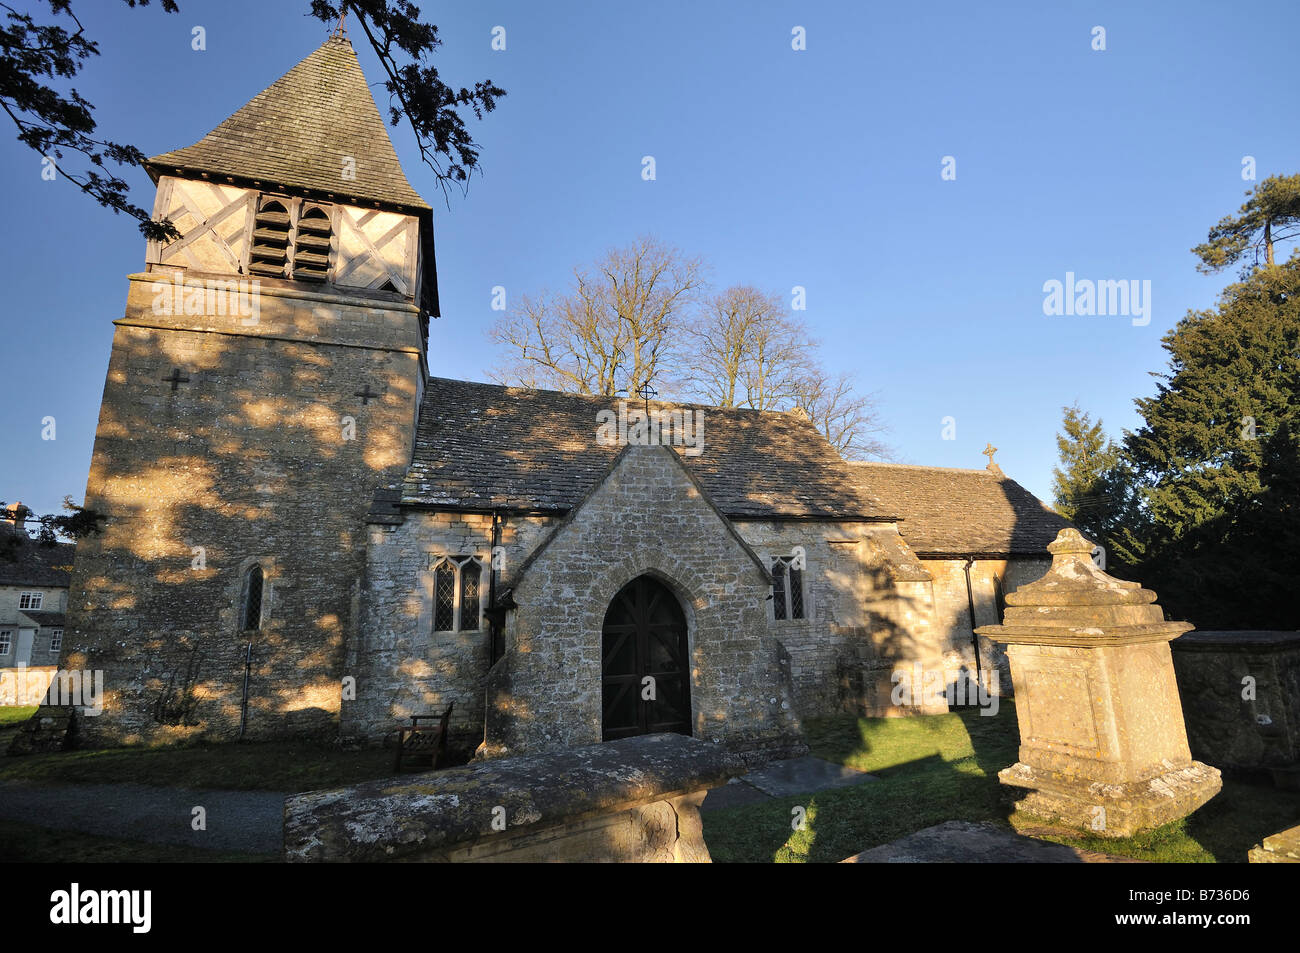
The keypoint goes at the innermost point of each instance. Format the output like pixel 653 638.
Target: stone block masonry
pixel 647 517
pixel 631 800
pixel 266 456
pixel 1241 700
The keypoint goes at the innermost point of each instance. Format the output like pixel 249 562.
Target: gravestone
pixel 1103 746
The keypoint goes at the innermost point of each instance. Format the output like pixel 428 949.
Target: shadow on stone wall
pixel 262 456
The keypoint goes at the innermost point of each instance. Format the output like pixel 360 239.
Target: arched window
pixel 787 588
pixel 457 593
pixel 252 609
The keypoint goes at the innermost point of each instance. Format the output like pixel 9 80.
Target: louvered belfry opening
pixel 311 249
pixel 291 239
pixel 271 230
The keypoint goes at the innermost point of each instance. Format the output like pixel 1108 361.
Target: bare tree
pixel 617 328
pixel 848 420
pixel 747 350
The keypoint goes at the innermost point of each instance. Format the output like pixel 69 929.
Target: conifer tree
pixel 1271 214
pixel 1094 488
pixel 1215 456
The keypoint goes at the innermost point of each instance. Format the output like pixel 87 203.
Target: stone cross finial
pixel 993 468
pixel 646 392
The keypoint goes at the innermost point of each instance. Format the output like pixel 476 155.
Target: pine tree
pixel 1271 214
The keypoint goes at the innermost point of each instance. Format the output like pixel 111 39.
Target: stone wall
pixel 868 611
pixel 23 686
pixel 264 455
pixel 952 608
pixel 402 666
pixel 870 608
pixel 1240 696
pixel 647 517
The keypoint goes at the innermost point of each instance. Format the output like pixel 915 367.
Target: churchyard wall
pixel 1240 694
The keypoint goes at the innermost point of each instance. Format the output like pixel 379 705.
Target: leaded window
pixel 787 588
pixel 470 573
pixel 444 598
pixel 457 593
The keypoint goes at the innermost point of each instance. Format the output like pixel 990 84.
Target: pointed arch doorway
pixel 644 637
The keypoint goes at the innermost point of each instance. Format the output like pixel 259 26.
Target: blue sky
pixel 818 168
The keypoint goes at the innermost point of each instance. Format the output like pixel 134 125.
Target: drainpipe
pixel 494 618
pixel 975 639
pixel 243 706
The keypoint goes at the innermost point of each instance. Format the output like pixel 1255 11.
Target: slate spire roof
pixel 300 132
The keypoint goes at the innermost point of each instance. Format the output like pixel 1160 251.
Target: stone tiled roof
pixel 297 133
pixel 46 620
pixel 480 446
pixel 33 564
pixel 959 512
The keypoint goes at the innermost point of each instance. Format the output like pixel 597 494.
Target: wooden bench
pixel 417 742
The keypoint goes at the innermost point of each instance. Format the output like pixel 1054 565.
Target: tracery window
pixel 457 593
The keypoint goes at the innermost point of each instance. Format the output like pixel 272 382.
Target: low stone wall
pixel 1240 693
pixel 25 685
pixel 631 800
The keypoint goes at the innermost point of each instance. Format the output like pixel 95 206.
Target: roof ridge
pixel 920 466
pixel 605 398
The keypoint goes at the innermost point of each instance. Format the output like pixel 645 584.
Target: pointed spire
pixel 316 128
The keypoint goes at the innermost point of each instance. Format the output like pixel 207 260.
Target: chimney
pixel 17 514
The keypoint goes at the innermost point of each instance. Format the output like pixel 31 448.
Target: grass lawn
pixel 944 767
pixel 255 766
pixel 15 715
pixel 11 719
pixel 930 769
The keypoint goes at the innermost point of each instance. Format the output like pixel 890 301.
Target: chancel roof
pixel 950 512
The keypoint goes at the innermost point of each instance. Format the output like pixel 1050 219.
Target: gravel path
pixel 251 821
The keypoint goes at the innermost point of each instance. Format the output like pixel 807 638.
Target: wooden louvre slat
pixel 307 240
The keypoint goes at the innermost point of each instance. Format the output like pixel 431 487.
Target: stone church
pixel 308 535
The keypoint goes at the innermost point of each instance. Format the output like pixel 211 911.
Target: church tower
pixel 264 381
